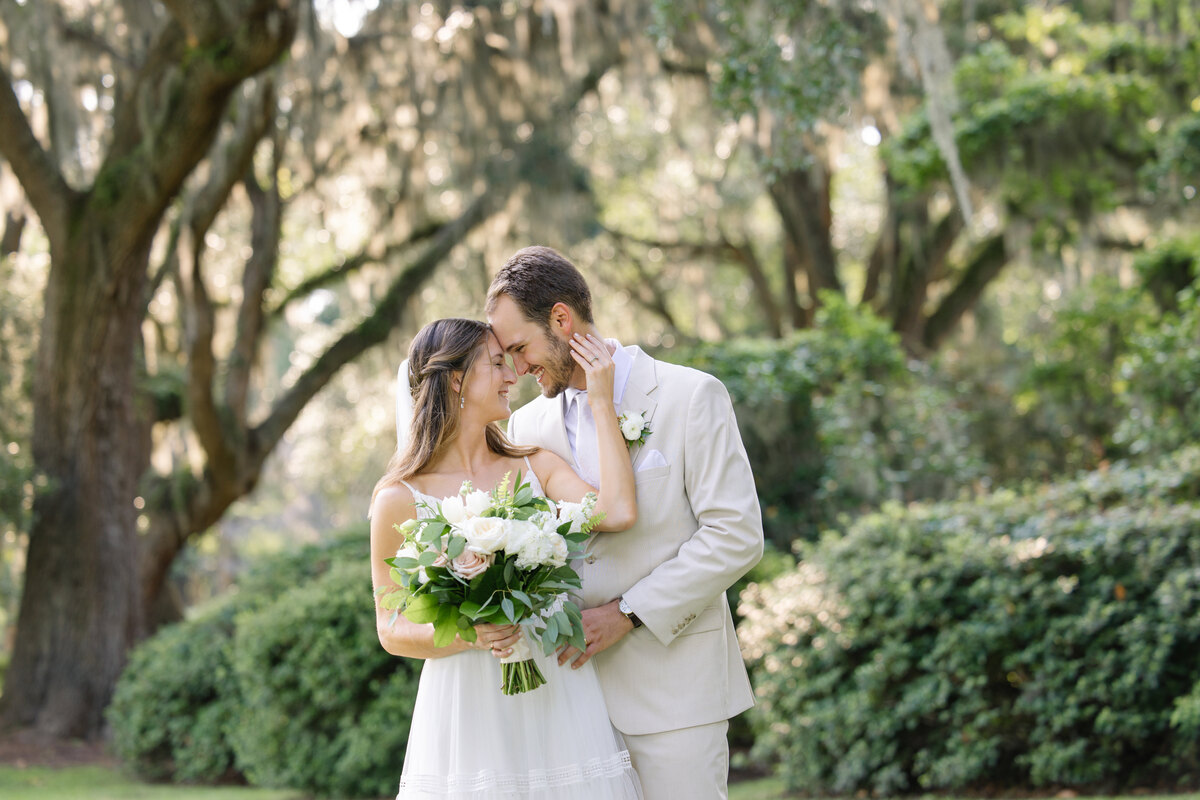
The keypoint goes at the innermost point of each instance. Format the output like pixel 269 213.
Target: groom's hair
pixel 538 277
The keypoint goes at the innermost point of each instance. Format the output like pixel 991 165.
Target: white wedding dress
pixel 468 740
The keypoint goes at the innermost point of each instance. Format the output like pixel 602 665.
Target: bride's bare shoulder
pixel 394 502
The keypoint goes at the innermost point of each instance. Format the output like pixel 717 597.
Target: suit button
pixel 590 559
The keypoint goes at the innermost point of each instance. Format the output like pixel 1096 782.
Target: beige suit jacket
pixel 699 529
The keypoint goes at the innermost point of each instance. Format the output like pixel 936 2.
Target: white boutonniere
pixel 634 428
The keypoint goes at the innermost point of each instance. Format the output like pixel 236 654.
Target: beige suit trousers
pixel 685 764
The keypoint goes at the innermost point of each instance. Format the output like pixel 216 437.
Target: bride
pixel 467 739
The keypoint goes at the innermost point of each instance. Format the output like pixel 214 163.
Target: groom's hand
pixel 603 627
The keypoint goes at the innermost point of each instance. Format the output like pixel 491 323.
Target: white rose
pixel 520 534
pixel 454 510
pixel 485 535
pixel 631 426
pixel 477 502
pixel 409 550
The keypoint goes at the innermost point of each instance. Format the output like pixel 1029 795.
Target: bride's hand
pixel 497 638
pixel 592 356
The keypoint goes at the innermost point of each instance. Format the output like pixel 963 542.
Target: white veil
pixel 404 406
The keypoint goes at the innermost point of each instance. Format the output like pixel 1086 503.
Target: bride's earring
pixel 462 401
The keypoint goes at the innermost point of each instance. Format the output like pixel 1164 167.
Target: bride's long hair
pixel 441 349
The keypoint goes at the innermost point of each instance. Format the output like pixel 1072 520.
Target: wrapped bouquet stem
pixel 518 671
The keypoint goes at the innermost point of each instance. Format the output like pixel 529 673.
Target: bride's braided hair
pixel 441 350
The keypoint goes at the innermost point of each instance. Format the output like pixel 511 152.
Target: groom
pixel 656 618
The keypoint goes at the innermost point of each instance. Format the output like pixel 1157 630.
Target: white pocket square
pixel 651 459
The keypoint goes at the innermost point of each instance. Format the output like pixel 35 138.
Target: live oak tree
pixel 183 173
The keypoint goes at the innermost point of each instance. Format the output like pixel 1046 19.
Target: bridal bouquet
pixel 499 557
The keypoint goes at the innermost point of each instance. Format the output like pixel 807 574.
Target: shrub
pixel 326 710
pixel 1162 371
pixel 836 419
pixel 283 683
pixel 1034 638
pixel 171 709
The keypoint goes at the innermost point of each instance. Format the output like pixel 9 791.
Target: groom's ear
pixel 561 319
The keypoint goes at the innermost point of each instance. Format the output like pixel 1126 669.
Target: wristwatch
pixel 624 608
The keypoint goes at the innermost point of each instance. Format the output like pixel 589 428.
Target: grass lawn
pixel 108 783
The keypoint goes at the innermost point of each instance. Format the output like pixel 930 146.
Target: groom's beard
pixel 556 374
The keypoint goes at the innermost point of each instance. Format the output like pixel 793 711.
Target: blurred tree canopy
pixel 213 210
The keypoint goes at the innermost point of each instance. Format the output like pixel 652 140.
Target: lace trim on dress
pixel 492 781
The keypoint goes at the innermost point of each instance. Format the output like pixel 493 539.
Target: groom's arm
pixel 729 541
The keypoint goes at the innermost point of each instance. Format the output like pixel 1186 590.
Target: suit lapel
pixel 639 396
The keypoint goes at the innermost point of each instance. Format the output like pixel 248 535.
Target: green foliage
pixel 326 709
pixel 800 61
pixel 1072 387
pixel 284 682
pixel 1043 637
pixel 1162 371
pixel 172 709
pixel 1064 115
pixel 836 420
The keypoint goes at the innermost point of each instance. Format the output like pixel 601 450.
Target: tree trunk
pixel 81 605
pixel 804 209
pixel 81 608
pixel 793 268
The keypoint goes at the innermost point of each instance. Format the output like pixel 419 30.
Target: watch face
pixel 623 607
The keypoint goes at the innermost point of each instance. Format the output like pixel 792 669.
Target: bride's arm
pixel 402 637
pixel 617 495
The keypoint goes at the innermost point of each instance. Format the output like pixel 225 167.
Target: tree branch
pixel 646 290
pixel 985 264
pixel 883 254
pixel 804 212
pixel 741 254
pixel 167 122
pixel 376 327
pixel 266 223
pixel 10 237
pixel 202 408
pixel 353 264
pixel 231 159
pixel 44 185
pixel 923 263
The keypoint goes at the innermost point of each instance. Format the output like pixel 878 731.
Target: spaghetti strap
pixel 528 466
pixel 411 488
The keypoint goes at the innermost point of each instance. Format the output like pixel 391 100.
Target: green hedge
pixel 1038 638
pixel 172 709
pixel 326 709
pixel 284 683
